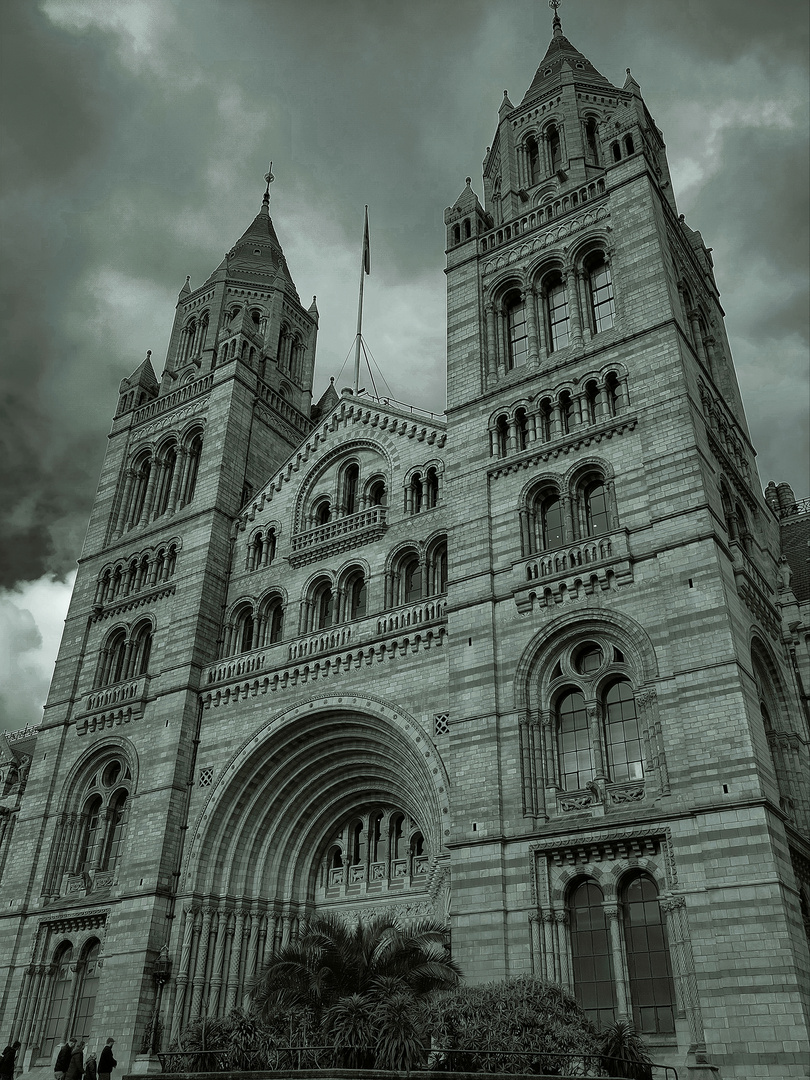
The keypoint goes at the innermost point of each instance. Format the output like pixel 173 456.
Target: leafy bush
pixel 482 1026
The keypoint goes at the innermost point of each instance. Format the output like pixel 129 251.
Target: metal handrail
pixel 299 1058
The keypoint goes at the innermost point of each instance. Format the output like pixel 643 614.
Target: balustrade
pixel 177 397
pixel 542 215
pixel 372 519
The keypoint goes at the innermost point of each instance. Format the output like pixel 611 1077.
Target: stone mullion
pixel 597 740
pixel 198 981
pixel 537 944
pixel 501 347
pixel 568 517
pixel 536 732
pixel 530 300
pixel 528 779
pixel 574 311
pixel 179 470
pixel 564 948
pixel 492 350
pixel 551 957
pixel 620 980
pixel 264 922
pixel 550 747
pixel 160 487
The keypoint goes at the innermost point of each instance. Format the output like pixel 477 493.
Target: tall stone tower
pixel 533 668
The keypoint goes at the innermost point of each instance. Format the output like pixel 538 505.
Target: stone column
pixel 179 470
pixel 597 741
pixel 623 1008
pixel 181 982
pixel 492 350
pixel 537 944
pixel 536 732
pixel 574 312
pixel 550 957
pixel 530 300
pixel 198 982
pixel 223 932
pixel 563 946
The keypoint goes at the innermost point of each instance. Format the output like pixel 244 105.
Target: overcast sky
pixel 135 134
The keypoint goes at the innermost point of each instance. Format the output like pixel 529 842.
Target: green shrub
pixel 620 1041
pixel 526 1016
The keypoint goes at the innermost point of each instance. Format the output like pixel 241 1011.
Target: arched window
pixel 502 435
pixel 397 836
pixel 557 312
pixel 612 393
pixel 551 523
pixel 357 844
pixel 431 488
pixel 616 151
pixel 574 742
pixel 517 335
pixel 115 831
pixel 652 991
pixel 591 145
pixel 544 420
pixel 323 606
pixel 272 621
pixel 533 160
pixel 192 468
pixel 595 505
pixel 351 478
pixel 554 151
pixel 591 953
pixel 600 289
pixel 377 494
pixel 456 234
pixel 143 471
pixel 625 758
pixel 375 836
pixel 521 428
pixel 167 468
pixel 566 411
pixel 90 834
pixel 323 512
pixel 437 569
pixel 356 596
pixel 140 651
pixel 113 657
pixel 414 495
pixel 412 581
pixel 58 1018
pixel 87 980
pixel 629 145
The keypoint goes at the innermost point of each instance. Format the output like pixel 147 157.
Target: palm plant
pixel 332 959
pixel 624 1053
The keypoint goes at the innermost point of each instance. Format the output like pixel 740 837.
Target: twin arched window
pixel 422 491
pixel 261 549
pixel 125 655
pixel 159 483
pixel 254 629
pixel 635 964
pixel 413 577
pixel 73 991
pixel 618 744
pixel 554 518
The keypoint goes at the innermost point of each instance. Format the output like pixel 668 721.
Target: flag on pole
pixel 366 248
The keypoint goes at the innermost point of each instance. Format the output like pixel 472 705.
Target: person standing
pixel 76 1065
pixel 106 1063
pixel 90 1071
pixel 8 1059
pixel 60 1066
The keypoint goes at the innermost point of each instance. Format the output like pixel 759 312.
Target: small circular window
pixel 111 773
pixel 588 659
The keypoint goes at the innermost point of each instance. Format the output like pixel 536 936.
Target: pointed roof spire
pixel 556 25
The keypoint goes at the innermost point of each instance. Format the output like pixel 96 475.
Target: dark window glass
pixel 597 519
pixel 552 523
pixel 517 332
pixel 246 636
pixel 652 991
pixel 603 307
pixel 590 139
pixel 57 1022
pixel 90 833
pixel 589 659
pixel 412 582
pixel 357 598
pixel 574 742
pixel 117 828
pixel 323 609
pixel 88 977
pixel 558 315
pixel 276 624
pixel 554 148
pixel 625 758
pixel 533 155
pixel 350 489
pixel 591 954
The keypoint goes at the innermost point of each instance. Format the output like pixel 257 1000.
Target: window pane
pixel 590 952
pixel 596 510
pixel 56 1024
pixel 558 316
pixel 652 991
pixel 625 757
pixel 552 523
pixel 602 303
pixel 574 742
pixel 518 334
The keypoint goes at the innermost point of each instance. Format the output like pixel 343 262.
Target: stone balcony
pixel 548 577
pixel 111 706
pixel 342 639
pixel 339 535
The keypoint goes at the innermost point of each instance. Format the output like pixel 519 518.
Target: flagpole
pixel 363 272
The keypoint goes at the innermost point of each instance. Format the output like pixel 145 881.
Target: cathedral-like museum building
pixel 525 667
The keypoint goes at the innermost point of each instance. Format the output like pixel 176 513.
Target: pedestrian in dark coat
pixel 90 1071
pixel 8 1059
pixel 106 1062
pixel 60 1066
pixel 76 1067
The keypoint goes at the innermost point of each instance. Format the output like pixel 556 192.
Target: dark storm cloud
pixel 136 136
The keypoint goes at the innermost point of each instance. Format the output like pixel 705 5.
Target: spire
pixel 561 57
pixel 269 178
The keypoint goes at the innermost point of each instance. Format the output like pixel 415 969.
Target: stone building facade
pixel 533 667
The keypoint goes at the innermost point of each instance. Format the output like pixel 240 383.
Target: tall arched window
pixel 591 145
pixel 323 612
pixel 140 652
pixel 554 150
pixel 90 834
pixel 87 979
pixel 622 734
pixel 377 494
pixel 412 581
pixel 521 428
pixel 652 991
pixel 502 435
pixel 273 621
pixel 192 468
pixel 115 831
pixel 437 569
pixel 591 953
pixel 351 478
pixel 431 488
pixel 143 470
pixel 517 335
pixel 557 312
pixel 58 1019
pixel 323 512
pixel 356 596
pixel 595 505
pixel 574 742
pixel 533 160
pixel 167 468
pixel 113 658
pixel 600 288
pixel 551 523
